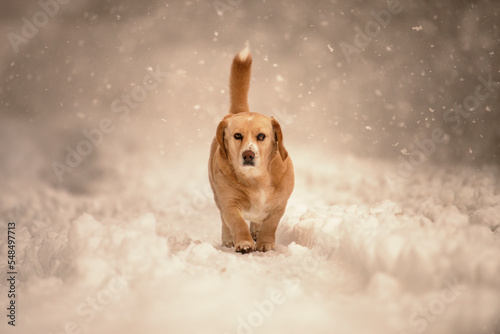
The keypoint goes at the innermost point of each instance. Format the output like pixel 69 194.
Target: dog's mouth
pixel 248 164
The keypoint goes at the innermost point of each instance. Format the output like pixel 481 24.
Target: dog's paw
pixel 255 235
pixel 245 247
pixel 265 246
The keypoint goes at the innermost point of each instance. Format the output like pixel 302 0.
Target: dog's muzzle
pixel 248 158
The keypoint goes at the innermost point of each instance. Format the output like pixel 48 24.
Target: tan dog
pixel 250 171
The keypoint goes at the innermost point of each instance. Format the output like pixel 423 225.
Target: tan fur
pixel 257 193
pixel 240 83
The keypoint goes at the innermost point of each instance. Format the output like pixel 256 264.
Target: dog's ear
pixel 220 137
pixel 278 136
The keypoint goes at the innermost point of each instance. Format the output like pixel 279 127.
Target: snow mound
pixel 424 257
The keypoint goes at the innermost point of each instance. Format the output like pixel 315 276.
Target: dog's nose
pixel 248 156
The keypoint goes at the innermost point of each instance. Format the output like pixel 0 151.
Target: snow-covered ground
pixel 377 238
pixel 355 254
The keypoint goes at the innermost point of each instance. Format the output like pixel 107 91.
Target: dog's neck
pixel 251 176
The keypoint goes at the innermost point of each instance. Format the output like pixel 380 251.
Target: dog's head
pixel 249 140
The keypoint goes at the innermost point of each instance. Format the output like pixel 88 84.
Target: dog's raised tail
pixel 240 81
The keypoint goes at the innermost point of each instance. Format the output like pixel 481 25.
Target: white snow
pixel 353 254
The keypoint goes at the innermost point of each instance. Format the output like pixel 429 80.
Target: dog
pixel 250 171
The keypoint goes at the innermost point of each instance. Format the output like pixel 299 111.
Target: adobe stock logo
pixel 93 138
pixel 89 309
pixel 432 309
pixel 372 29
pixel 223 6
pixel 40 19
pixel 454 118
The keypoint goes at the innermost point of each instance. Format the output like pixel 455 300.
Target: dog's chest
pixel 258 209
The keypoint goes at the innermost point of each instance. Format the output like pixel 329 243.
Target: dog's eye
pixel 238 136
pixel 261 136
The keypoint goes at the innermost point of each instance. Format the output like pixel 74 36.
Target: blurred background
pixel 375 102
pixel 108 109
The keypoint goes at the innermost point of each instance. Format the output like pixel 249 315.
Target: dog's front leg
pixel 242 238
pixel 267 233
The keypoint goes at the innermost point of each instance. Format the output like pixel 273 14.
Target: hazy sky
pixel 378 78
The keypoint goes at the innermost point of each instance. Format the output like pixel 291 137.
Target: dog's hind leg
pixel 254 230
